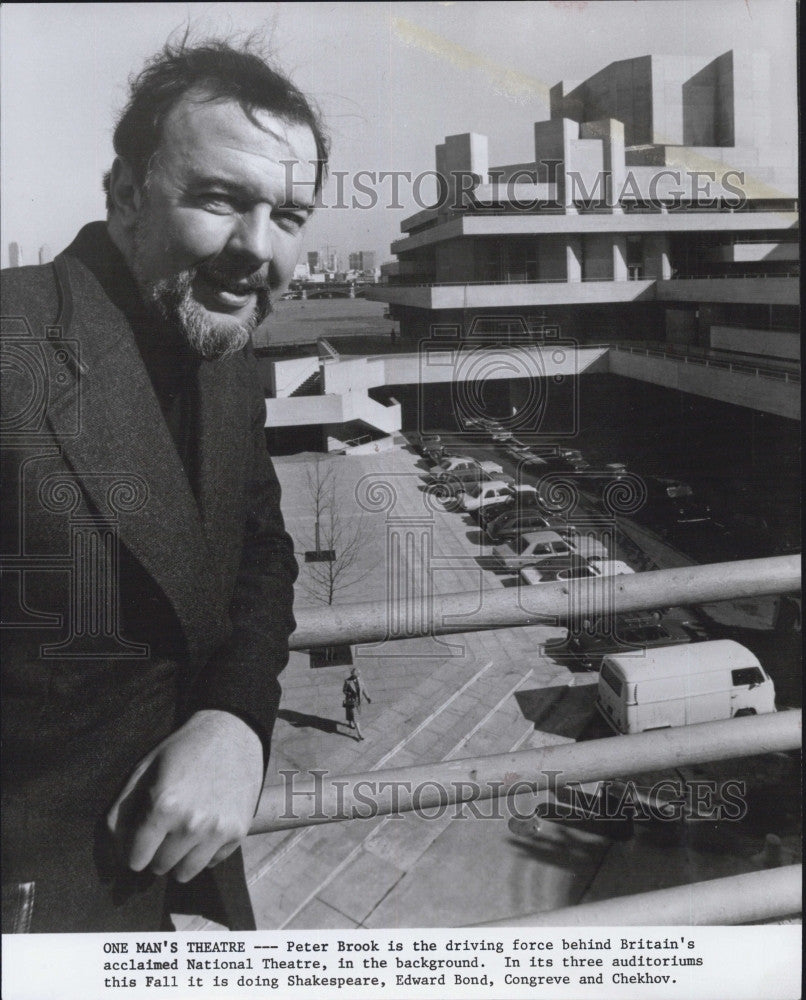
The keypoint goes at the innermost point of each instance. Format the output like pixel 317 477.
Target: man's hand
pixel 190 802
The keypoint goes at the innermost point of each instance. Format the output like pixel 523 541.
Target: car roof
pixel 684 660
pixel 612 567
pixel 546 535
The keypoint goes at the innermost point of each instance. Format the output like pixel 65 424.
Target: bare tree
pixel 333 561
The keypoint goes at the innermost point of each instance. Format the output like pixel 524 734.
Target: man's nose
pixel 252 237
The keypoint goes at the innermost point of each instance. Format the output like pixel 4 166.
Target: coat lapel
pixel 223 436
pixel 122 432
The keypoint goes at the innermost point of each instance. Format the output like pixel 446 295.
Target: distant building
pixel 45 254
pixel 314 265
pixel 363 260
pixel 658 207
pixel 14 255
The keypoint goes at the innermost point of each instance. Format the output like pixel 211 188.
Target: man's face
pixel 220 219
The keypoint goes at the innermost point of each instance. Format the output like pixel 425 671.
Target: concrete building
pixel 653 236
pixel 658 207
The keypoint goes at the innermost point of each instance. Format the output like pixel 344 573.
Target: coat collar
pixel 121 433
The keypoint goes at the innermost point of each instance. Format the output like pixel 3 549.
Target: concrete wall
pixel 286 376
pixel 766 395
pixel 748 253
pixel 774 291
pixel 470 363
pixel 518 296
pixel 622 90
pixel 463 154
pixel 766 343
pixel 708 118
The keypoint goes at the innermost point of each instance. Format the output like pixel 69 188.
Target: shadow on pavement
pixel 302 721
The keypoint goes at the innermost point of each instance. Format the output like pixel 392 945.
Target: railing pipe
pixel 328 798
pixel 737 899
pixel 475 610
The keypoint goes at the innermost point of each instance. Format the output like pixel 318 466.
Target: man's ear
pixel 125 194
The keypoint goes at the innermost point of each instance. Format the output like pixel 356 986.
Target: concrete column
pixel 611 134
pixel 573 258
pixel 655 256
pixel 620 258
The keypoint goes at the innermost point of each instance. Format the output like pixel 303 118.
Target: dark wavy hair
pixel 219 70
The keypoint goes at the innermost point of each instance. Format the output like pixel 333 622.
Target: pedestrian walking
pixel 353 692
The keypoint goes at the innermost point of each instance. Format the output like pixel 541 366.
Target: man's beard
pixel 172 299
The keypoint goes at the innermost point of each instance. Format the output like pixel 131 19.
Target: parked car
pixel 531 548
pixel 586 479
pixel 422 441
pixel 527 501
pixel 517 450
pixel 580 569
pixel 513 521
pixel 682 685
pixel 501 434
pixel 520 551
pixel 670 502
pixel 481 423
pixel 452 485
pixel 461 463
pixel 620 633
pixel 434 454
pixel 504 489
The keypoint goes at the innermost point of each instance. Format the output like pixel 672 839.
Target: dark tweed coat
pixel 128 602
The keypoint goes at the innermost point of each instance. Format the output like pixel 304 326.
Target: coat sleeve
pixel 241 675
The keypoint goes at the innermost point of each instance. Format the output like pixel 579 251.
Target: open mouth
pixel 223 293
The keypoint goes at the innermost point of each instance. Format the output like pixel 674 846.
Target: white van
pixel 682 685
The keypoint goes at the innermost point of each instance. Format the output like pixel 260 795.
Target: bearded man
pixel 147 598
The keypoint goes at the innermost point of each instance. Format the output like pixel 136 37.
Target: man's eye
pixel 291 221
pixel 217 203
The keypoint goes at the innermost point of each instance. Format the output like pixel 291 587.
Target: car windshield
pixel 520 544
pixel 650 633
pixel 680 490
pixel 473 491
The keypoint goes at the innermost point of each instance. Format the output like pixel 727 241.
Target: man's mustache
pixel 234 278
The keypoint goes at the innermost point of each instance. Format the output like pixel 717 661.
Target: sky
pixel 392 79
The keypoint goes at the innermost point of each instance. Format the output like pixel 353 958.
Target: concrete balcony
pixel 763 389
pixel 537 224
pixel 747 289
pixel 497 295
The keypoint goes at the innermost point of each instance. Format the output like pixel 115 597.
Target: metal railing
pixel 733 275
pixel 325 798
pixel 564 281
pixel 687 358
pixel 477 610
pixel 754 897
